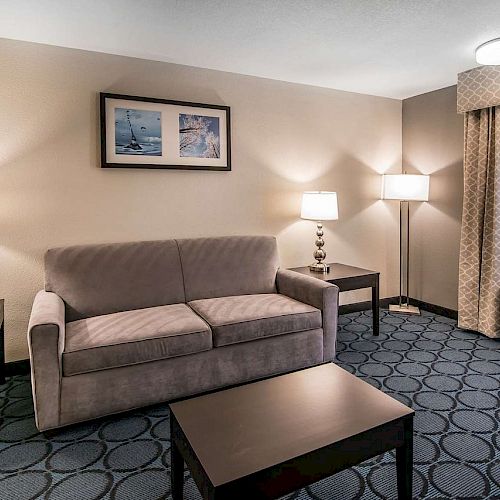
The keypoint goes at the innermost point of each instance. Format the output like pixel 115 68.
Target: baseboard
pixel 384 304
pixel 21 367
pixel 433 308
pixel 366 306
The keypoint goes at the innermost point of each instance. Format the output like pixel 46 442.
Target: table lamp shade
pixel 405 187
pixel 319 206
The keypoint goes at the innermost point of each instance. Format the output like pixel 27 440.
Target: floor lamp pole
pixel 407 288
pixel 404 307
pixel 400 254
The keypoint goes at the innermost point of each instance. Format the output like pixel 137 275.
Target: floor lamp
pixel 405 188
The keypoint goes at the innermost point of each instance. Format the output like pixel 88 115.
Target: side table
pixel 350 278
pixel 2 345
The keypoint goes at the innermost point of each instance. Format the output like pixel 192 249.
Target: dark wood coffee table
pixel 349 278
pixel 269 438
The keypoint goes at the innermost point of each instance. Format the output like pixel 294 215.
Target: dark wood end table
pixel 351 278
pixel 270 438
pixel 2 344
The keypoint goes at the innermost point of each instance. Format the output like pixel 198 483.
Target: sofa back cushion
pixel 230 265
pixel 103 279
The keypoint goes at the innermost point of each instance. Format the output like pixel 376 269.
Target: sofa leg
pixel 51 433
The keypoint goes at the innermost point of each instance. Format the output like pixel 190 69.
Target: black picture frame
pixel 199 163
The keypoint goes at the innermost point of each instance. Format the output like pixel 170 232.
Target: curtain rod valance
pixel 478 88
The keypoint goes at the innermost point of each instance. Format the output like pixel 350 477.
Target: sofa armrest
pixel 46 334
pixel 317 293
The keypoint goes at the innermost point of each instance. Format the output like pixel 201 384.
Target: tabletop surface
pixel 337 271
pixel 242 430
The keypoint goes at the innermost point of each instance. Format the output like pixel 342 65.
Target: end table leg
pixel 376 307
pixel 2 346
pixel 404 462
pixel 176 465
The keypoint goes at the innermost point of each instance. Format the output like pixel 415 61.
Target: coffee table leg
pixel 176 465
pixel 376 306
pixel 404 462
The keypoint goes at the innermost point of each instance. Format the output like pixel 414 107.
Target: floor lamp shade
pixel 405 187
pixel 319 206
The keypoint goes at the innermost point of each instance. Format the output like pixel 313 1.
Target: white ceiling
pixel 382 47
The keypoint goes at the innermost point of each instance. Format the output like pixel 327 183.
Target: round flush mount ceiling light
pixel 488 53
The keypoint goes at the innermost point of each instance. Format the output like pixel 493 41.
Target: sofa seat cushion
pixel 132 337
pixel 242 318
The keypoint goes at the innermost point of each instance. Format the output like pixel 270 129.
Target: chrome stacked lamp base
pixel 319 254
pixel 319 267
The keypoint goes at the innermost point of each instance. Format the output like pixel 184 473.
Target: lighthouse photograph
pixel 137 132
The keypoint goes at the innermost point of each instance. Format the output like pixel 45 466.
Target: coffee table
pixel 269 438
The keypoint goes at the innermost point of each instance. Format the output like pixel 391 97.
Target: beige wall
pixel 286 138
pixel 433 144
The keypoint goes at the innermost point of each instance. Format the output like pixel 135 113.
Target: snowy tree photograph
pixel 199 136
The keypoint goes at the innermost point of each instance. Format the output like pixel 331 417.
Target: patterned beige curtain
pixel 479 281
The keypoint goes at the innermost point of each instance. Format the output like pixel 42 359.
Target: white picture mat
pixel 169 134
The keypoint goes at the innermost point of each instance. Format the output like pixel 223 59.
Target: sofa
pixel 125 325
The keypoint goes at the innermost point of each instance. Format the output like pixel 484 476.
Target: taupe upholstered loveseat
pixel 125 325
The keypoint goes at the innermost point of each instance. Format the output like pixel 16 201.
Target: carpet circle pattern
pixel 449 376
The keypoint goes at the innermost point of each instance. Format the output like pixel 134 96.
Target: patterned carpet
pixel 450 377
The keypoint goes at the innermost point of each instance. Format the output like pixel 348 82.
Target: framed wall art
pixel 143 132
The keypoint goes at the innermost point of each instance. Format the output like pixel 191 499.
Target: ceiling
pixel 381 47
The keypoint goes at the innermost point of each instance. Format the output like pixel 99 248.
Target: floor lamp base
pixel 404 308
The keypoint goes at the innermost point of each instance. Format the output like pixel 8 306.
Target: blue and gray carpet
pixel 450 377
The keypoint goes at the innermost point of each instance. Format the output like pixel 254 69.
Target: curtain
pixel 479 273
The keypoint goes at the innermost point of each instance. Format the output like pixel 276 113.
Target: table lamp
pixel 319 206
pixel 405 188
